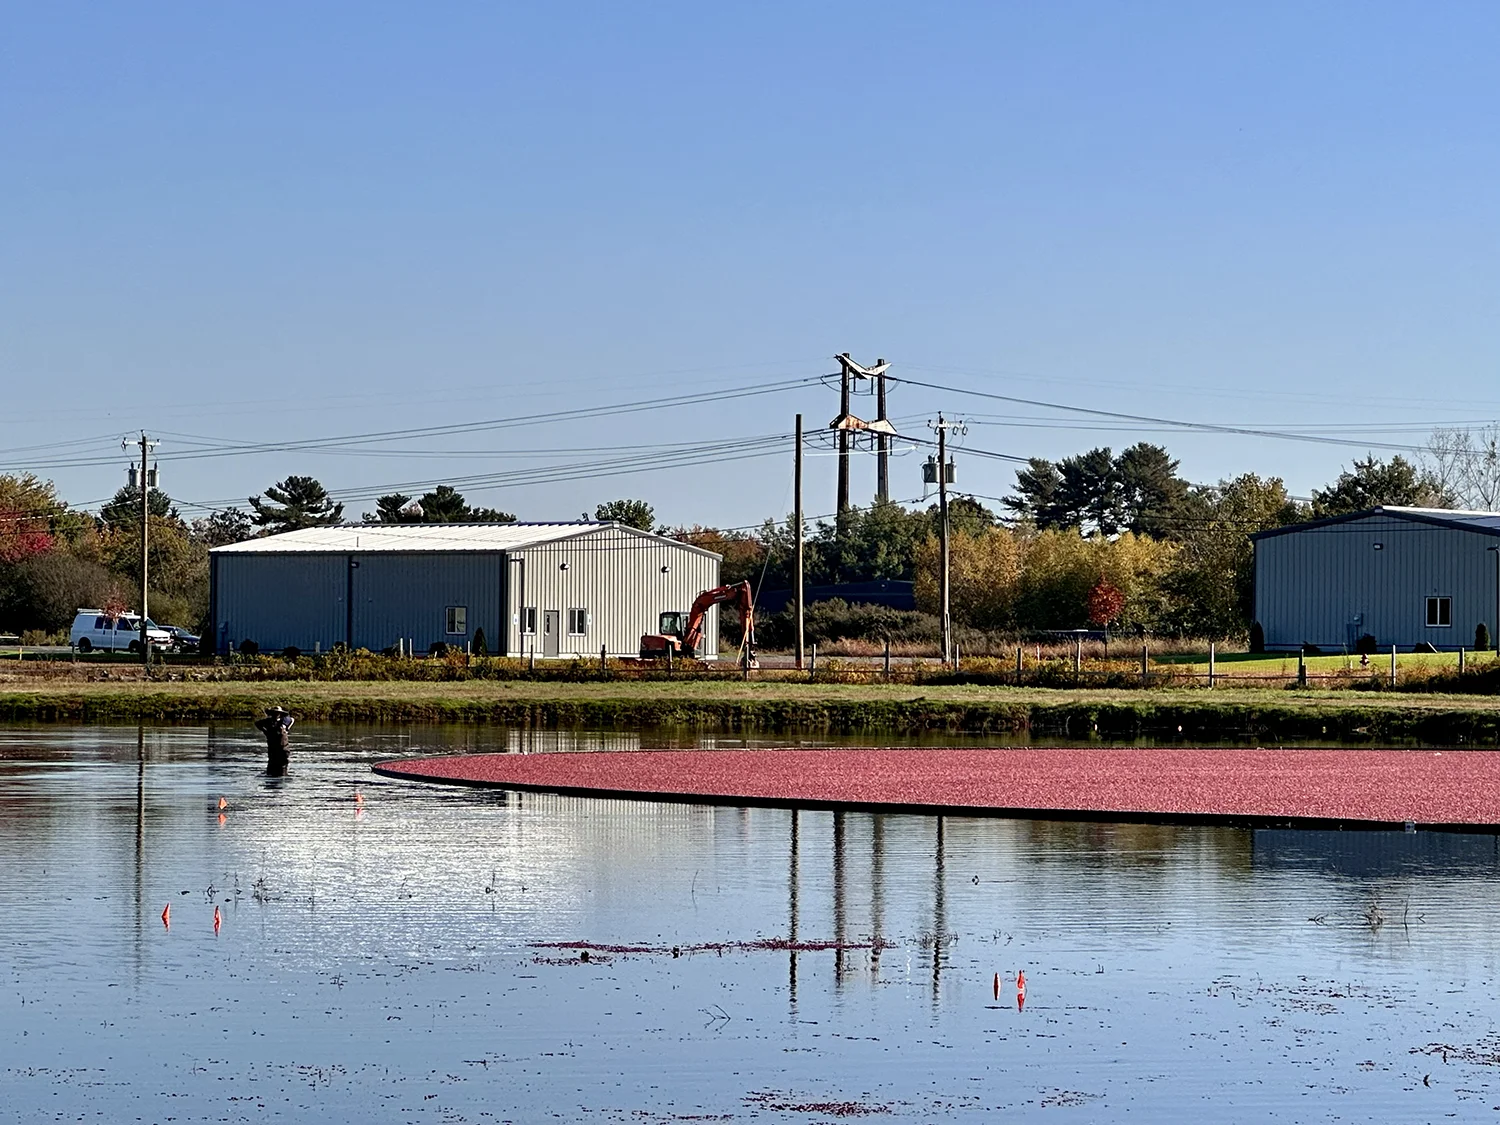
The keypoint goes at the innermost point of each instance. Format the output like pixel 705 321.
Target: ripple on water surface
pixel 418 955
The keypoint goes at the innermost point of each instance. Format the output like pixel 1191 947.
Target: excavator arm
pixel 738 595
pixel 689 639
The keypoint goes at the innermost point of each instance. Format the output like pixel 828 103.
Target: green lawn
pixel 1285 663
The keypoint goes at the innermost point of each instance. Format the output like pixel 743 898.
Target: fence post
pixel 669 659
pixel 602 667
pixel 1212 653
pixel 1460 660
pixel 1019 665
pixel 888 660
pixel 1077 657
pixel 1393 666
pixel 955 656
pixel 533 656
pixel 1145 665
pixel 1301 668
pixel 812 665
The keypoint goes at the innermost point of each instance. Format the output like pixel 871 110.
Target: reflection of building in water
pixel 1363 854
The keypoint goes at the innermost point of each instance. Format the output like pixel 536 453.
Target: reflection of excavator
pixel 682 634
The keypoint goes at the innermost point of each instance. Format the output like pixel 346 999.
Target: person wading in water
pixel 277 727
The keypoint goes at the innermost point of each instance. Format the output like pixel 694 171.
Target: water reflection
pixel 375 952
pixel 1372 855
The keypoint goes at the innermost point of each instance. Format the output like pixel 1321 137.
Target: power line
pixel 213 447
pixel 1174 423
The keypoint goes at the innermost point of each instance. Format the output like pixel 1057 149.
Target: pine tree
pixel 295 503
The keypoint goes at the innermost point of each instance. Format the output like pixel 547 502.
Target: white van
pixel 92 630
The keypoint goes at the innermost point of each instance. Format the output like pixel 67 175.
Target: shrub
pixel 249 648
pixel 1367 645
pixel 291 652
pixel 1257 637
pixel 480 647
pixel 838 620
pixel 437 648
pixel 1481 637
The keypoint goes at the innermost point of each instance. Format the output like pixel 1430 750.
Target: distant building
pixel 890 592
pixel 1402 575
pixel 564 589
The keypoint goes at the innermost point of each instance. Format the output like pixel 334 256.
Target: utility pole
pixel 944 476
pixel 147 479
pixel 797 519
pixel 882 439
pixel 846 422
pixel 842 507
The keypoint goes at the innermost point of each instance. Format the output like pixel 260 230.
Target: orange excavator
pixel 682 634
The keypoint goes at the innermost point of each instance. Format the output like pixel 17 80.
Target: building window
pixel 1439 613
pixel 458 619
pixel 528 620
pixel 578 622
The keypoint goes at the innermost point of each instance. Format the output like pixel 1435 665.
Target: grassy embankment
pixel 785 707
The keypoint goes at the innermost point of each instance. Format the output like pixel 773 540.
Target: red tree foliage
pixel 22 536
pixel 1105 602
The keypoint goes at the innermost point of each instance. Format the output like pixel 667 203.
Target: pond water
pixel 416 955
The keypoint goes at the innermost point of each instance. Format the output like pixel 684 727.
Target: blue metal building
pixel 1402 575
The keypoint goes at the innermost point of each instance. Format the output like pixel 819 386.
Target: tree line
pixel 1093 539
pixel 55 559
pixel 1098 539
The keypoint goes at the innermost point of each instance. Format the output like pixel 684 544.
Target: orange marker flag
pixel 217 920
pixel 223 804
pixel 1021 981
pixel 997 986
pixel 166 916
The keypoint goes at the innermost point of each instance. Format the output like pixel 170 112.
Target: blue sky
pixel 275 223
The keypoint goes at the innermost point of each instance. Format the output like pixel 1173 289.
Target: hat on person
pixel 277 711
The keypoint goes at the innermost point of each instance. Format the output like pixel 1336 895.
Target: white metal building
pixel 1404 576
pixel 564 589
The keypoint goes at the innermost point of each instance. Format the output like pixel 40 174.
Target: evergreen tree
pixel 444 504
pixel 1372 483
pixel 1090 493
pixel 1035 498
pixel 632 513
pixel 1151 492
pixel 392 509
pixel 125 507
pixel 295 503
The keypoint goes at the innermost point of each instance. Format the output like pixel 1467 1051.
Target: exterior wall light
pixel 1380 546
pixel 666 570
pixel 562 566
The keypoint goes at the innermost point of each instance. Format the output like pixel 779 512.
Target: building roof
pixel 1485 523
pixel 432 537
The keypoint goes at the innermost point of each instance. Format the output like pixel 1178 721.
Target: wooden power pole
pixel 146 480
pixel 797 521
pixel 944 470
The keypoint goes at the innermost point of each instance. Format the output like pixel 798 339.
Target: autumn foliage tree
pixel 1105 603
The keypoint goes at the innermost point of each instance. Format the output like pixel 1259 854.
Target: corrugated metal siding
pixel 617 577
pixel 1311 584
pixel 279 600
pixel 303 599
pixel 407 595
